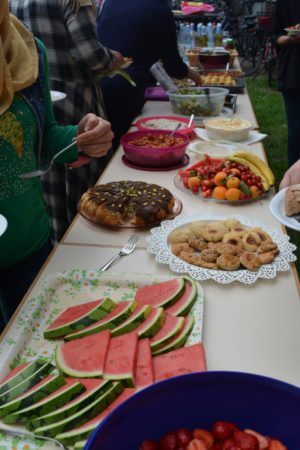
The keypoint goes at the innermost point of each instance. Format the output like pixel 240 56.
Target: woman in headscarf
pixel 76 59
pixel 28 136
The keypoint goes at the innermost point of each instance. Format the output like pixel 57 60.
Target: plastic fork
pixel 40 172
pixel 126 250
pixel 17 432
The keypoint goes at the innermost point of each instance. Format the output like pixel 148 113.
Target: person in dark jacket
pixel 288 47
pixel 145 31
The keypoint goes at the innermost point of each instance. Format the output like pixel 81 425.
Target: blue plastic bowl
pixel 268 406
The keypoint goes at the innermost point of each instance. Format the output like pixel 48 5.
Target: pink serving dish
pixel 141 124
pixel 153 157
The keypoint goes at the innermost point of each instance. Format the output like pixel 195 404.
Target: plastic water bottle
pixel 192 35
pixel 218 35
pixel 198 35
pixel 203 36
pixel 181 40
pixel 210 35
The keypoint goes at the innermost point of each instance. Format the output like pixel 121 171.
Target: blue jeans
pixel 292 109
pixel 16 279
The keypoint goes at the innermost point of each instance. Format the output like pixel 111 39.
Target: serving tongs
pixel 28 434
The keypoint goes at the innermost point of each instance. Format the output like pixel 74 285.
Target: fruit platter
pixel 240 177
pixel 95 340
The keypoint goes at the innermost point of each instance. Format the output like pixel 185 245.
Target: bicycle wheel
pixel 250 52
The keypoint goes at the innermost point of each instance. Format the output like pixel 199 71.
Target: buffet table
pixel 249 328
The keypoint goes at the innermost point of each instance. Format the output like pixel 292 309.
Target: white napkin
pixel 254 136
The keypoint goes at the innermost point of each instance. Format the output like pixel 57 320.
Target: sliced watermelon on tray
pixel 60 397
pixel 179 362
pixel 85 430
pixel 144 368
pixel 94 388
pixel 80 445
pixel 79 316
pixel 179 339
pixel 83 357
pixel 170 328
pixel 43 388
pixel 121 358
pixel 185 302
pixel 27 383
pixel 19 374
pixel 83 415
pixel 137 317
pixel 161 294
pixel 152 324
pixel 118 315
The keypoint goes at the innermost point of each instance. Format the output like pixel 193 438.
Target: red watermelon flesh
pixel 185 301
pixel 73 313
pixel 161 294
pixel 84 357
pixel 144 367
pixel 179 362
pixel 13 372
pixel 121 358
pixel 171 326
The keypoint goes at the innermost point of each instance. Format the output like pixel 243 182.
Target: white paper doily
pixel 159 246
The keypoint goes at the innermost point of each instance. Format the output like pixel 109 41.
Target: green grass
pixel 269 110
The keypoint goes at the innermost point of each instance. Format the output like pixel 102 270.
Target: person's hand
pixel 118 60
pixel 194 76
pixel 94 137
pixel 286 40
pixel 291 176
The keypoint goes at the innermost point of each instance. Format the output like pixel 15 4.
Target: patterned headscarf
pixel 18 57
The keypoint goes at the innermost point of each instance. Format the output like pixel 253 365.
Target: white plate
pixel 278 211
pixel 291 32
pixel 159 246
pixel 3 224
pixel 57 96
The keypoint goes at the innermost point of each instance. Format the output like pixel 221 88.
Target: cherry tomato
pixel 168 442
pixel 149 445
pixel 184 436
pixel 222 430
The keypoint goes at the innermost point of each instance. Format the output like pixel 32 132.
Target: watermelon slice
pixel 79 316
pixel 94 388
pixel 179 362
pixel 26 384
pixel 133 321
pixel 186 300
pixel 45 387
pixel 83 357
pixel 19 374
pixel 152 324
pixel 83 415
pixel 144 367
pixel 121 357
pixel 179 339
pixel 60 397
pixel 84 431
pixel 170 328
pixel 80 445
pixel 161 294
pixel 120 313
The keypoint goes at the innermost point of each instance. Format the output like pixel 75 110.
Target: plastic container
pixel 195 101
pixel 234 129
pixel 153 157
pixel 196 400
pixel 165 123
pixel 214 59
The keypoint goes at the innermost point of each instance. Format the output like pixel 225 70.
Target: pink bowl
pixel 153 157
pixel 141 124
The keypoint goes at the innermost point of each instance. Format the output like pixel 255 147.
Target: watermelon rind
pixel 133 321
pixel 168 300
pixel 83 415
pixel 104 325
pixel 175 330
pixel 26 384
pixel 51 384
pixel 104 307
pixel 46 405
pixel 69 409
pixel 80 445
pixel 179 340
pixel 152 328
pixel 21 375
pixel 183 309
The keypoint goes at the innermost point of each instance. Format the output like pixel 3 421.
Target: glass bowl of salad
pixel 200 101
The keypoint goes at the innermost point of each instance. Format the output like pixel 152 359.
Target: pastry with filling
pixel 292 200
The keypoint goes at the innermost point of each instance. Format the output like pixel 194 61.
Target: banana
pixel 256 170
pixel 254 159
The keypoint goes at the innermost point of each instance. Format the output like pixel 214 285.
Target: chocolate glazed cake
pixel 122 202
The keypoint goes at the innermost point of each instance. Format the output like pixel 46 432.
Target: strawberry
pixel 149 445
pixel 184 436
pixel 206 436
pixel 222 430
pixel 276 445
pixel 263 443
pixel 168 442
pixel 245 440
pixel 196 444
